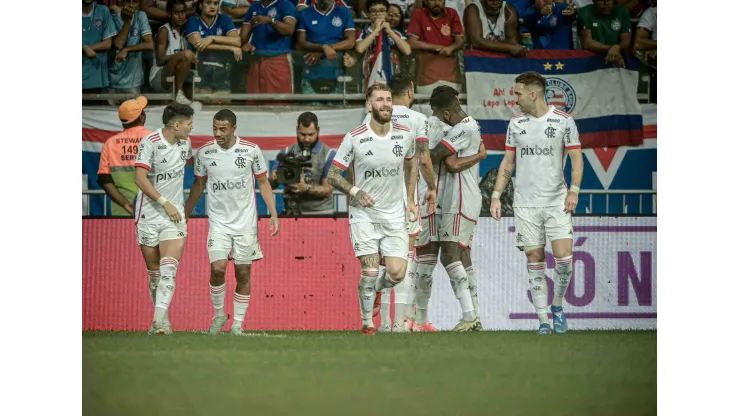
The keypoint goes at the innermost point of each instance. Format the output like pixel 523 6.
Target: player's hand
pixel 482 152
pixel 274 225
pixel 122 55
pixel 248 48
pixel 129 208
pixel 237 54
pixel 412 212
pixel 571 201
pixel 364 199
pixel 430 199
pixel 312 58
pixel 496 209
pixel 330 53
pixel 172 212
pixel 89 52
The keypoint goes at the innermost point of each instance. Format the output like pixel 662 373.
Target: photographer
pixel 303 169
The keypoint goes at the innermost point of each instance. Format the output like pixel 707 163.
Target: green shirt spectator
pixel 605 29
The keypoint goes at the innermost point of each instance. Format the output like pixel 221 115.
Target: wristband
pixel 575 188
pixel 496 195
pixel 162 200
pixel 354 191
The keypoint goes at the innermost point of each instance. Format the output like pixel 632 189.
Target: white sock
pixel 218 293
pixel 384 281
pixel 411 291
pixel 241 302
pixel 385 307
pixel 153 283
pixel 166 287
pixel 538 289
pixel 424 269
pixel 366 293
pixel 459 282
pixel 473 285
pixel 563 274
pixel 402 292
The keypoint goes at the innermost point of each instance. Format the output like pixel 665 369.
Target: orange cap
pixel 131 110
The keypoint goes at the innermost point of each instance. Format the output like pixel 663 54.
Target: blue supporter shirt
pixel 221 26
pixel 553 31
pixel 130 73
pixel 265 38
pixel 325 29
pixel 96 27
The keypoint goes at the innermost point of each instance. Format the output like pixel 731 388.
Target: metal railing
pixel 340 199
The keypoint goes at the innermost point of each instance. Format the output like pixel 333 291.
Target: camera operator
pixel 303 169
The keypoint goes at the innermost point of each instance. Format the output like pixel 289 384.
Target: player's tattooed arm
pixel 410 176
pixel 337 181
pixel 455 164
pixel 504 172
pixel 439 152
pixel 196 190
pixel 576 162
pixel 425 164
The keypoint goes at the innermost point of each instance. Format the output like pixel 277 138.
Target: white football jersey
pixel 539 144
pixel 378 168
pixel 166 165
pixel 232 200
pixel 462 194
pixel 414 121
pixel 437 129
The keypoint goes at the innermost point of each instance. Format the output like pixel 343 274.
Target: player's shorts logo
pixel 560 94
pixel 398 150
pixel 336 21
pixel 240 162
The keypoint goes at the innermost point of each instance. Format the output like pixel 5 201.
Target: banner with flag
pixel 601 98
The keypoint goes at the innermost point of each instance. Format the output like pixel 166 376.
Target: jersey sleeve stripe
pixel 200 177
pixel 575 146
pixel 449 146
pixel 422 140
pixel 513 149
pixel 143 165
pixel 339 164
pixel 409 158
pixel 259 175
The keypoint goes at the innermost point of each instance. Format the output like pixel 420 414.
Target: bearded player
pixel 381 201
pixel 536 142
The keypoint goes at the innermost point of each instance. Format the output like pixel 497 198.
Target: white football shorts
pixel 244 249
pixel 536 225
pixel 151 234
pixel 390 240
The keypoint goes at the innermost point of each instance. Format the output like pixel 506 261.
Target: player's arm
pixel 441 151
pixel 454 163
pixel 324 190
pixel 572 143
pixel 267 195
pixel 410 176
pixel 196 191
pixel 425 164
pixel 143 166
pixel 505 170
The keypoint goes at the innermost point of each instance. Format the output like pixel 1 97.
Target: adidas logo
pixel 213 163
pixel 446 235
pixel 163 161
pixel 369 153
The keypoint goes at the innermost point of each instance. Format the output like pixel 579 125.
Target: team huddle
pixel 414 198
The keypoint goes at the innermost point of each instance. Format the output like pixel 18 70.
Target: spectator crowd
pixel 305 46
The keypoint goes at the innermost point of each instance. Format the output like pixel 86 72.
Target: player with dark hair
pixel 228 166
pixel 160 220
pixel 380 151
pixel 536 142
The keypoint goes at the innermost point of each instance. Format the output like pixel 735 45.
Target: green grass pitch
pixel 344 373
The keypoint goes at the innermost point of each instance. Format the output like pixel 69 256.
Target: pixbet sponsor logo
pixel 382 173
pixel 166 176
pixel 229 185
pixel 537 151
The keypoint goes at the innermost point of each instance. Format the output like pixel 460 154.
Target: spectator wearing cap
pixel 117 169
pixel 266 33
pixel 381 45
pixel 134 37
pixel 493 26
pixel 325 32
pixel 606 29
pixel 551 24
pixel 436 34
pixel 98 31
